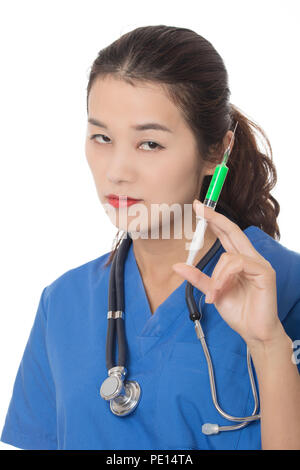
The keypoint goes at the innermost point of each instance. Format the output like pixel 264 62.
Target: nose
pixel 121 168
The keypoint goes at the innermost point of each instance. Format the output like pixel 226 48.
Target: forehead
pixel 114 97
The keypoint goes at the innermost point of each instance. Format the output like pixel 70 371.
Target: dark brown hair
pixel 194 76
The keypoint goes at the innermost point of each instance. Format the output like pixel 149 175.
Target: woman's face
pixel 153 165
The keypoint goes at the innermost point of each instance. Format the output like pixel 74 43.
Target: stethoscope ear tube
pixel 112 307
pixel 119 282
pixel 123 396
pixel 190 300
pixel 116 307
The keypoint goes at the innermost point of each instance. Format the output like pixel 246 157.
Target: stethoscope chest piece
pixel 124 396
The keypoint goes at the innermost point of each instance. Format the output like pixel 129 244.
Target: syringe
pixel 211 199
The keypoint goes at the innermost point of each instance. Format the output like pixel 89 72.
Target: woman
pixel 159 120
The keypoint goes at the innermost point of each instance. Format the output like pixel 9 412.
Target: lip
pixel 121 201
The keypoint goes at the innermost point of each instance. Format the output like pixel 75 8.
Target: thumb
pixel 193 275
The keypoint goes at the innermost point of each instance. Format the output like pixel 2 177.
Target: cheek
pixel 96 164
pixel 89 152
pixel 178 181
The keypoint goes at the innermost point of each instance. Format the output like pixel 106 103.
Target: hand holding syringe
pixel 211 199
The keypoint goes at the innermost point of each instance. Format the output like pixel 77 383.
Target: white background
pixel 51 217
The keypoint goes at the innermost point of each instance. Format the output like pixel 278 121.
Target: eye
pixel 157 146
pixel 97 135
pixel 151 142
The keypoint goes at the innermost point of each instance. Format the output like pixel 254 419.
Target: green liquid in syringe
pixel 216 185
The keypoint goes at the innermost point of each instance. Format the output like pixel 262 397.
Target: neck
pixel 155 257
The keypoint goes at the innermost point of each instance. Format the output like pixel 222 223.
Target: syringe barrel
pixel 210 203
pixel 216 186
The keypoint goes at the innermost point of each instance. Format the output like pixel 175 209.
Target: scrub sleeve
pixel 31 417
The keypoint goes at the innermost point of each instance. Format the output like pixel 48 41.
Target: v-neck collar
pixel 144 330
pixel 136 301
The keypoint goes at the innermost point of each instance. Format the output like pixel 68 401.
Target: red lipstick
pixel 121 201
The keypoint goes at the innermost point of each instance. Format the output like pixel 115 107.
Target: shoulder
pixel 285 262
pixel 79 279
pixel 275 252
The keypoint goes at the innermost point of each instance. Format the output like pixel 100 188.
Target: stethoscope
pixel 124 396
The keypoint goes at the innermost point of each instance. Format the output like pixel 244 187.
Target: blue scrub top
pixel 56 403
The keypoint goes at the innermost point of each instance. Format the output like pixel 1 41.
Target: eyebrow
pixel 139 127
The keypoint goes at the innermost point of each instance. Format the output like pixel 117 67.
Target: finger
pixel 251 270
pixel 224 278
pixel 224 260
pixel 233 239
pixel 193 275
pixel 221 287
pixel 216 280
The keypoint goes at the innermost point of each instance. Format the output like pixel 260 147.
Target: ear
pixel 227 139
pixel 209 168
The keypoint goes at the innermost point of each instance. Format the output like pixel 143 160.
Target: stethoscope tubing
pixel 116 308
pixel 189 297
pixel 116 303
pixel 196 316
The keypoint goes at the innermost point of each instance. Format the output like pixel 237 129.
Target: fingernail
pixel 198 203
pixel 198 208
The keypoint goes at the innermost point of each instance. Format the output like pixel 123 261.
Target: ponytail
pixel 251 177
